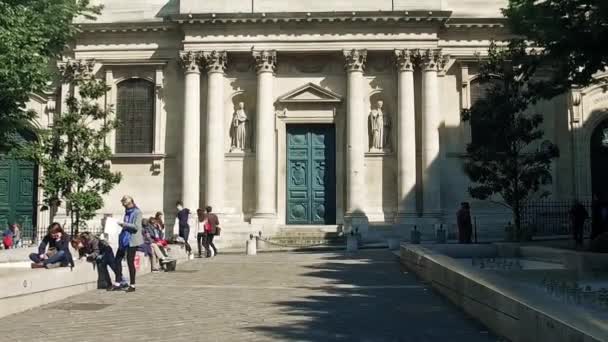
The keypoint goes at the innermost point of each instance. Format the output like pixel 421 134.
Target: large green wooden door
pixel 311 174
pixel 18 195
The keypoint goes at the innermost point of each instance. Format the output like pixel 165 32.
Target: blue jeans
pixel 184 232
pixel 60 257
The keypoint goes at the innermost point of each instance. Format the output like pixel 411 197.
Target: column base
pixel 266 220
pixel 356 222
pixel 405 218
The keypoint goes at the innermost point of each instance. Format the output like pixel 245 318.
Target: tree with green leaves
pixel 73 152
pixel 572 37
pixel 506 158
pixel 33 33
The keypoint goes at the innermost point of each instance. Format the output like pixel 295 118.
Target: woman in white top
pixel 201 219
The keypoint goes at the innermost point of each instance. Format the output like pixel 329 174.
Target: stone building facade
pixel 281 113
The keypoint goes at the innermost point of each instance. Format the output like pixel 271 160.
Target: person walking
pixel 578 216
pixel 129 239
pixel 463 220
pixel 201 220
pixel 183 217
pixel 211 228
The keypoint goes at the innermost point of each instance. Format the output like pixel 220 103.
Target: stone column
pixel 215 63
pixel 191 149
pixel 355 143
pixel 431 119
pixel 406 136
pixel 265 155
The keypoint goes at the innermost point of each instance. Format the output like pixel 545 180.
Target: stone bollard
pixel 352 243
pixel 251 246
pixel 393 244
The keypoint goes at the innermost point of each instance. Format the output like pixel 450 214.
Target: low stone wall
pixel 507 308
pixel 24 288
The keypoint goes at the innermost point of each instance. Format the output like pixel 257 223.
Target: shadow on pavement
pixel 367 297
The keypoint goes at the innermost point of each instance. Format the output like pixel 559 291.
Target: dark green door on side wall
pixel 311 174
pixel 18 195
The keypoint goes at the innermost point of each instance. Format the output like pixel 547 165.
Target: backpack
pixel 124 239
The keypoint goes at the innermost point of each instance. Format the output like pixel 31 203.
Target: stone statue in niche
pixel 379 129
pixel 238 129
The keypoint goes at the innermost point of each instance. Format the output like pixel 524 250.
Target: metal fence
pixel 551 217
pixel 42 231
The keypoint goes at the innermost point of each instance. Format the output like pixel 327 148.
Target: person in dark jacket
pixel 578 216
pixel 99 252
pixel 183 218
pixel 463 220
pixel 58 253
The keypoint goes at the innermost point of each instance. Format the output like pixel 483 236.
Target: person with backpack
pixel 211 224
pixel 99 252
pixel 129 240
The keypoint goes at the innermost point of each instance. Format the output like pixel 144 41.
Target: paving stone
pixel 325 296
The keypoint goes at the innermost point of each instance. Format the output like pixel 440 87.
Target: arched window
pixel 479 90
pixel 135 113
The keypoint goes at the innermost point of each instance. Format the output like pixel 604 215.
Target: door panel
pixel 18 194
pixel 311 174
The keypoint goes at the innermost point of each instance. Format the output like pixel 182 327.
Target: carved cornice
pixel 388 17
pixel 190 61
pixel 70 69
pixel 215 61
pixel 432 60
pixel 405 59
pixel 355 59
pixel 265 60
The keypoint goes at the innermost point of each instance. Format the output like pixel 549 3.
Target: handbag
pixel 218 230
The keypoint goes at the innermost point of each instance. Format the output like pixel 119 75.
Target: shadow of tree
pixel 367 297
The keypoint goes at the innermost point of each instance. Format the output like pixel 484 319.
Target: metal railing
pixel 550 217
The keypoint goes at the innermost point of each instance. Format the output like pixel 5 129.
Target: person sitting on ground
pixel 8 238
pixel 58 253
pixel 99 252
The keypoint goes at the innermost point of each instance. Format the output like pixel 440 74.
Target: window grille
pixel 135 114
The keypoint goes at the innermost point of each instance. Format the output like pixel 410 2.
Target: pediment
pixel 310 93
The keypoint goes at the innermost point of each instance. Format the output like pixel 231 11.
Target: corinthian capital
pixel 215 61
pixel 190 60
pixel 355 59
pixel 265 60
pixel 405 59
pixel 432 60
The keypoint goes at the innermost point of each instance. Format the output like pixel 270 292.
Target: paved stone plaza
pixel 269 297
